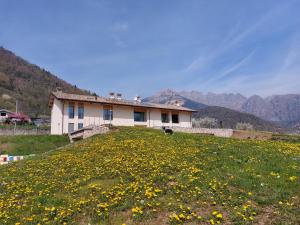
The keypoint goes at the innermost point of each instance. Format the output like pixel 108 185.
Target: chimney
pixel 58 89
pixel 119 96
pixel 112 95
pixel 137 99
pixel 177 103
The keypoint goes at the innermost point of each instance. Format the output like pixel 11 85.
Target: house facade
pixel 70 112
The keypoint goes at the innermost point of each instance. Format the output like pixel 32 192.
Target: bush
pixel 205 122
pixel 244 126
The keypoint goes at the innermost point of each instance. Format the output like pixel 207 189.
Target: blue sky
pixel 141 46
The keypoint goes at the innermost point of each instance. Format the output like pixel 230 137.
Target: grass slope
pixel 140 176
pixel 30 144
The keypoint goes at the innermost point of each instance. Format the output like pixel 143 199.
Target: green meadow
pixel 141 176
pixel 30 144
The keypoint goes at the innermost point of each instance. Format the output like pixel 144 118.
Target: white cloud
pixel 196 64
pixel 234 67
pixel 232 40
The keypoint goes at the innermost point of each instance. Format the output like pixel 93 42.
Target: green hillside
pixel 141 176
pixel 231 117
pixel 31 144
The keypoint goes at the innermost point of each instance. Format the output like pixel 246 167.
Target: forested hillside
pixel 27 83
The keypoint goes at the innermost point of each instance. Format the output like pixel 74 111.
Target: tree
pixel 205 122
pixel 244 126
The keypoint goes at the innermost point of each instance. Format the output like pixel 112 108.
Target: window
pixel 80 126
pixel 165 118
pixel 80 111
pixel 3 114
pixel 175 118
pixel 71 110
pixel 108 114
pixel 70 127
pixel 139 116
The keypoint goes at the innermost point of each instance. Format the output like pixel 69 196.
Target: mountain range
pixel 277 108
pixel 281 109
pixel 229 117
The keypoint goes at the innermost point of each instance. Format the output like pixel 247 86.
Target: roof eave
pixel 53 95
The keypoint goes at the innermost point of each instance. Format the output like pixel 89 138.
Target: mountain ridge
pixel 278 108
pixel 269 113
pixel 229 117
pixel 169 96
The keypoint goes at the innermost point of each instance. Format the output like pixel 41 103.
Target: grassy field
pixel 286 138
pixel 30 144
pixel 141 176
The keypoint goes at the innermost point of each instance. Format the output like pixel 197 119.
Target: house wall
pixel 122 116
pixel 56 117
pixel 185 119
pixel 93 114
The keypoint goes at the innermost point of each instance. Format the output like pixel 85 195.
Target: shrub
pixel 205 122
pixel 244 126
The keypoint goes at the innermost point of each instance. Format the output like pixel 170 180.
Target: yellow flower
pixel 137 210
pixel 181 216
pixel 292 178
pixel 214 213
pixel 219 216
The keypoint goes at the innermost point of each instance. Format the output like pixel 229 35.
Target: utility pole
pixel 110 115
pixel 16 106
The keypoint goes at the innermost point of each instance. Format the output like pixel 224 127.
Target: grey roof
pixel 5 110
pixel 90 98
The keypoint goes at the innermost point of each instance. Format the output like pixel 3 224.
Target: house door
pixel 70 127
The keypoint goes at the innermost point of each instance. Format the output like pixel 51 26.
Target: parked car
pixel 19 118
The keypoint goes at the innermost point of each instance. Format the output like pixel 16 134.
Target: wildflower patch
pixel 139 175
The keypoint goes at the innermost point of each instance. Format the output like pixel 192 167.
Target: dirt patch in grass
pixel 266 216
pixel 160 218
pixel 255 135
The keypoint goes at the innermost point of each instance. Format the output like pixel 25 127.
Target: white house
pixel 70 112
pixel 4 114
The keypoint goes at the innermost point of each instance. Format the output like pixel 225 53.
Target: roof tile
pixel 91 98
